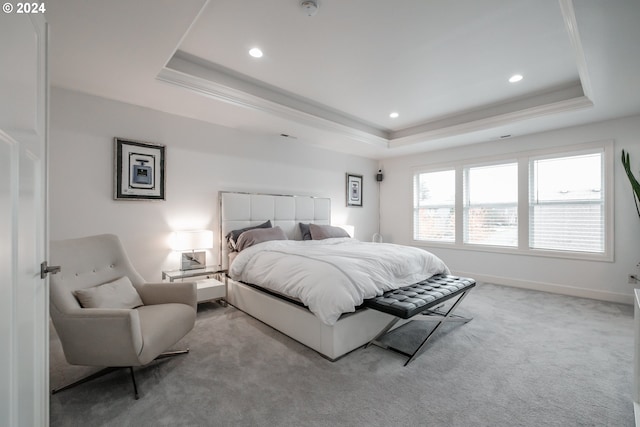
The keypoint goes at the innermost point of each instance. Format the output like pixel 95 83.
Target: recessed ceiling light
pixel 394 115
pixel 255 52
pixel 515 78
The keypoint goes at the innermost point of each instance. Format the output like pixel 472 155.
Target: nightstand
pixel 209 288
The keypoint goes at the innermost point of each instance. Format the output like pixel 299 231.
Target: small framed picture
pixel 138 170
pixel 354 190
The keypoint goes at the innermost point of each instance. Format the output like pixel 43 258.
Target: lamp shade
pixel 191 240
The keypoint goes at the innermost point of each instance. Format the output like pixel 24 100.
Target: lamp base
pixel 193 260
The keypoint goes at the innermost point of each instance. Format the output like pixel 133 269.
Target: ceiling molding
pixel 569 17
pixel 230 84
pixel 243 99
pixel 533 103
pixel 493 121
pixel 185 73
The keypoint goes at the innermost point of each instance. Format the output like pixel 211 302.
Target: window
pixel 551 203
pixel 434 206
pixel 491 205
pixel 566 206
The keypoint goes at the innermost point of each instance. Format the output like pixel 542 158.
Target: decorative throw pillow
pixel 304 230
pixel 320 232
pixel 232 236
pixel 117 294
pixel 259 235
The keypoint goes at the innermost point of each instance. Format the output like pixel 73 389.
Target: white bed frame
pixel 353 330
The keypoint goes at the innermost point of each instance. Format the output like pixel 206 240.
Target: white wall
pixel 601 280
pixel 201 159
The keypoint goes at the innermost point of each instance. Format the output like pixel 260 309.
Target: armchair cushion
pixel 169 292
pixel 119 293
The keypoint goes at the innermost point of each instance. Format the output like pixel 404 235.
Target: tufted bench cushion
pixel 408 301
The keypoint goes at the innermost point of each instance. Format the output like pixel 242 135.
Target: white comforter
pixel 333 276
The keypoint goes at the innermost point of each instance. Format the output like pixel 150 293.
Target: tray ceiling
pixel 333 79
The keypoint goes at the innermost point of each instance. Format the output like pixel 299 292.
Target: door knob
pixel 46 269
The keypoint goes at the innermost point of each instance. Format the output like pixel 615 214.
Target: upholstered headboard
pixel 240 210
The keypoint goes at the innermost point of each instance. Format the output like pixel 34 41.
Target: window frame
pixel 603 179
pixel 455 207
pixel 523 159
pixel 466 203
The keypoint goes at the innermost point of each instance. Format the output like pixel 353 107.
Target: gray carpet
pixel 526 359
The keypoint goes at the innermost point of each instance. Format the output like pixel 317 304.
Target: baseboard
pixel 550 287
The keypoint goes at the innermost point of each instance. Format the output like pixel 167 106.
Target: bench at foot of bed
pixel 421 302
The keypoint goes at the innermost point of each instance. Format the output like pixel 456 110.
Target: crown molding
pixel 189 72
pixel 422 133
pixel 571 24
pixel 493 121
pixel 245 100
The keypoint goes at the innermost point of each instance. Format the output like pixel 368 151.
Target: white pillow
pixel 117 294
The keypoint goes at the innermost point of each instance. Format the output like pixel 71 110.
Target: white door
pixel 24 297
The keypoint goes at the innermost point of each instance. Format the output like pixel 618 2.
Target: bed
pixel 331 334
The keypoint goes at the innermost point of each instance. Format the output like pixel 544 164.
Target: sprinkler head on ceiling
pixel 310 7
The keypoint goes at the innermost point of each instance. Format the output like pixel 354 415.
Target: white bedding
pixel 333 276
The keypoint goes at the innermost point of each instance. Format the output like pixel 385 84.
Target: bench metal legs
pixel 427 315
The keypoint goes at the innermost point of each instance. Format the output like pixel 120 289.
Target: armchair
pixel 124 329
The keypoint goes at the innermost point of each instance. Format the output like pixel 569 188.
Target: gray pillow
pixel 320 232
pixel 232 236
pixel 117 294
pixel 259 235
pixel 304 230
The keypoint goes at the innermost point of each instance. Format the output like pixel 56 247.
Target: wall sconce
pixel 189 242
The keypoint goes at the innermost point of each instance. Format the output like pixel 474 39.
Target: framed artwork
pixel 354 190
pixel 139 170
